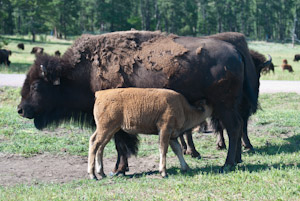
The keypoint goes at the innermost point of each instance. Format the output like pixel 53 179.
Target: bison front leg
pixel 233 124
pixel 220 139
pixel 245 139
pixel 191 150
pixel 183 144
pixel 177 150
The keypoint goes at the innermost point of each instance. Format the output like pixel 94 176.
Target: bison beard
pixel 191 66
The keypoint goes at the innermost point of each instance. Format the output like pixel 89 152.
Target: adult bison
pixel 260 63
pixel 4 56
pixel 58 89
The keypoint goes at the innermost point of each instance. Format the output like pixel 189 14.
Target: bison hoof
pixel 114 174
pixel 221 146
pixel 226 168
pixel 249 149
pixel 194 154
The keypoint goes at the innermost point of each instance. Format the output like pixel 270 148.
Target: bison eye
pixel 34 86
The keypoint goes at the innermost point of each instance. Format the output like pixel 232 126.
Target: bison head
pixel 48 98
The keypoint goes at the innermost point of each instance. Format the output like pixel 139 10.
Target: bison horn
pixel 44 70
pixel 267 62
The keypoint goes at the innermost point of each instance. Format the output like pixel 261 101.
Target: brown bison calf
pixel 286 66
pixel 142 110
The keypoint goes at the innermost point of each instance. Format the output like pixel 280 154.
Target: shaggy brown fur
pixel 149 111
pixel 286 66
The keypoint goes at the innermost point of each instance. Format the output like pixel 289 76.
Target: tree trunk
pixel 33 36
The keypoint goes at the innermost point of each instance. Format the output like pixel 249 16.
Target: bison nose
pixel 20 111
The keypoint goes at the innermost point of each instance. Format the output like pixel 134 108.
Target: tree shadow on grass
pixel 292 145
pixel 15 68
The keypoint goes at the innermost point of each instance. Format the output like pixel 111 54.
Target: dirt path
pixel 47 168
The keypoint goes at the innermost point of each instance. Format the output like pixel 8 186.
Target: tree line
pixel 257 19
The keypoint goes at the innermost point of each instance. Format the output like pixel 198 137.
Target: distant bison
pixel 37 50
pixel 21 46
pixel 286 66
pixel 297 57
pixel 57 53
pixel 4 55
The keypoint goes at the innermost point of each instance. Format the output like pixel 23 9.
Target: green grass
pixel 21 60
pixel 271 173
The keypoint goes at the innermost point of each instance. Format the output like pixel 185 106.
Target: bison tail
pixel 126 144
pixel 249 93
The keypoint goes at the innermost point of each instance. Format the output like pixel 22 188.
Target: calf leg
pixel 177 150
pixel 97 143
pixel 163 149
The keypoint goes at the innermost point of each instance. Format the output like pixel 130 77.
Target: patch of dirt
pixel 47 168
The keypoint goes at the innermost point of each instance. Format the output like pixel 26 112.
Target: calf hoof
pixel 164 175
pixel 93 177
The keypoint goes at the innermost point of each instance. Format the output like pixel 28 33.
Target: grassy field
pixel 279 52
pixel 271 173
pixel 21 60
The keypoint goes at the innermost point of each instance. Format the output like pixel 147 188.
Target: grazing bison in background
pixel 160 112
pixel 37 50
pixel 58 89
pixel 297 57
pixel 286 66
pixel 4 56
pixel 268 69
pixel 21 46
pixel 57 53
